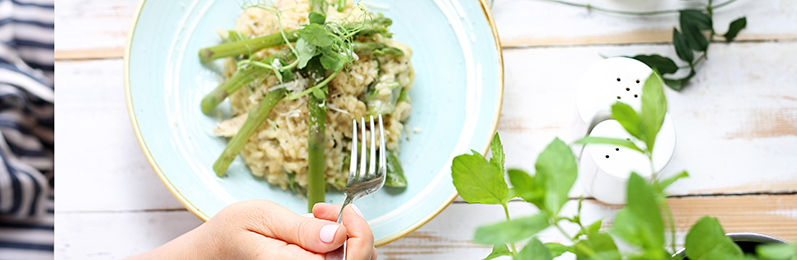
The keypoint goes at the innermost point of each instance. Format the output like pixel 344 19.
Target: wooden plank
pixel 86 25
pixel 100 164
pixel 523 23
pixel 718 120
pixel 735 126
pixel 98 235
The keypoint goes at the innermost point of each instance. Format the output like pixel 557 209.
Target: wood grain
pixel 86 25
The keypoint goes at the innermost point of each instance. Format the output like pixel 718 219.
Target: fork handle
pixel 340 253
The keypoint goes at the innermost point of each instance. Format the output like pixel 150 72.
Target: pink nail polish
pixel 308 215
pixel 327 233
pixel 357 210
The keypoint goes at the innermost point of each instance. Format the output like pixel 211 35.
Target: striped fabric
pixel 26 129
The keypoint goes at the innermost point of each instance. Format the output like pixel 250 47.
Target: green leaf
pixel 332 60
pixel 736 26
pixel 511 231
pixel 606 140
pixel 776 251
pixel 628 118
pixel 477 180
pixel 498 250
pixel 682 46
pixel 594 227
pixel 316 18
pixel 663 64
pixel 527 188
pixel 654 108
pixel 707 241
pixel 678 84
pixel 315 34
pixel 697 41
pixel 319 94
pixel 663 184
pixel 497 151
pixel 510 195
pixel 701 20
pixel 640 222
pixel 597 246
pixel 535 250
pixel 306 52
pixel 557 249
pixel 556 170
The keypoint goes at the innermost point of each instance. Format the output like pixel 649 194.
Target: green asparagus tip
pixel 205 55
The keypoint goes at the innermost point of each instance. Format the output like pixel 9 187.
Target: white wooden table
pixel 736 125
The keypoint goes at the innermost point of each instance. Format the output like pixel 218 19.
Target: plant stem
pixel 255 118
pixel 611 11
pixel 316 144
pixel 506 212
pixel 319 85
pixel 563 231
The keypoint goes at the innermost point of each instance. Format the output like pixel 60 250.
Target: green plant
pixel 696 34
pixel 644 222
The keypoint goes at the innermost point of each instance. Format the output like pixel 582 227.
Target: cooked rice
pixel 279 146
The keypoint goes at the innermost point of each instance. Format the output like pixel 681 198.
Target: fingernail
pixel 328 233
pixel 308 215
pixel 357 210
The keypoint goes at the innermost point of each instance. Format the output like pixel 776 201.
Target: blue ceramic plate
pixel 456 103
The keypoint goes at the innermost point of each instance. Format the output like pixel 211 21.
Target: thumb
pixel 275 221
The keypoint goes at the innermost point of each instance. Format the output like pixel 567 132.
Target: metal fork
pixel 362 182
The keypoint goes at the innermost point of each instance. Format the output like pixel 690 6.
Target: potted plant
pixel 645 222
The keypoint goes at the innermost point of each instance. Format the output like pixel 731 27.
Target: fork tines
pixel 354 173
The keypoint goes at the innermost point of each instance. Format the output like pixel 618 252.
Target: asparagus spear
pixel 395 175
pixel 239 78
pixel 316 121
pixel 255 118
pixel 230 49
pixel 315 149
pixel 377 25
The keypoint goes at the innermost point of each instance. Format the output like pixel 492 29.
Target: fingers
pixel 360 244
pixel 272 220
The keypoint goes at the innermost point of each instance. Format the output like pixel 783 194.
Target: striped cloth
pixel 26 129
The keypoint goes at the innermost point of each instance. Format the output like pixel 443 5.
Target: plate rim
pixel 204 217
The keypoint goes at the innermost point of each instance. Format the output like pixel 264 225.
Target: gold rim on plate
pixel 190 207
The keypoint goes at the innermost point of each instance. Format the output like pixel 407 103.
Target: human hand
pixel 260 229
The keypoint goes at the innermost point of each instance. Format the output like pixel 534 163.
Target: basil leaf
pixel 701 20
pixel 663 184
pixel 557 249
pixel 497 151
pixel 512 230
pixel 556 170
pixel 736 26
pixel 682 46
pixel 663 64
pixel 597 246
pixel 640 222
pixel 776 251
pixel 315 34
pixel 654 108
pixel 477 180
pixel 528 188
pixel 706 241
pixel 534 250
pixel 697 41
pixel 605 140
pixel 628 118
pixel 498 250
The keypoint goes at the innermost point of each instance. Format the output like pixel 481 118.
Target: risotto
pixel 370 85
